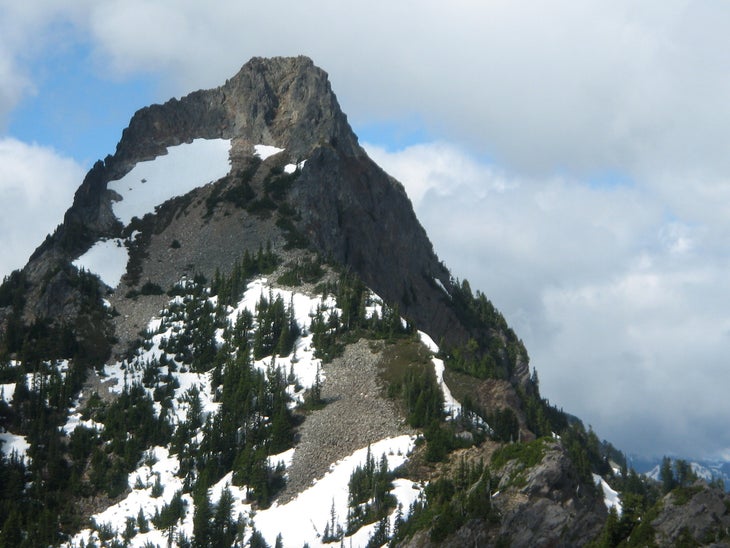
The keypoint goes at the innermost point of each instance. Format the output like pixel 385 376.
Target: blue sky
pixel 74 108
pixel 569 160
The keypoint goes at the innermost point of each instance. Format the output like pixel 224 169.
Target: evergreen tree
pixel 202 530
pixel 142 523
pixel 224 528
pixel 666 475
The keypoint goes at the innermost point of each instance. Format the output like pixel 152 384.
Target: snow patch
pixel 301 361
pixel 184 168
pixel 284 459
pixel 291 168
pixel 451 406
pixel 11 443
pixel 443 288
pixel 107 259
pixel 265 151
pixel 610 497
pixel 7 391
pixel 158 464
pixel 303 519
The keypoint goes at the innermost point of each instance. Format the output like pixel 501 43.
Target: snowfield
pixel 300 521
pixel 301 361
pixel 610 497
pixel 451 406
pixel 107 259
pixel 303 519
pixel 149 184
pixel 184 168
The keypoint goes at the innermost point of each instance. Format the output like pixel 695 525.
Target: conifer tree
pixel 202 517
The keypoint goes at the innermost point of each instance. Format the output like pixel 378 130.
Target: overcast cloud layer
pixel 577 169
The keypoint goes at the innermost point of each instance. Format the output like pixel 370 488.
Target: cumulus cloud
pixel 36 188
pixel 623 314
pixel 27 31
pixel 539 87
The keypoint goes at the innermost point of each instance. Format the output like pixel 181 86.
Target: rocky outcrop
pixel 355 213
pixel 554 508
pixel 697 514
pixel 287 102
pixel 543 505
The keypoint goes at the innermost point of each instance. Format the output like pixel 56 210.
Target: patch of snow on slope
pixel 7 391
pixel 299 521
pixel 610 497
pixel 451 406
pixel 303 519
pixel 265 151
pixel 291 168
pixel 301 361
pixel 443 288
pixel 184 168
pixel 373 306
pixel 284 458
pixel 11 443
pixel 160 464
pixel 107 259
pixel 75 419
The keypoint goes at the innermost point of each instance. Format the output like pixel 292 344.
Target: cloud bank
pixel 36 189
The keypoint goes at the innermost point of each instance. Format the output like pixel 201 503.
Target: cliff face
pixel 282 101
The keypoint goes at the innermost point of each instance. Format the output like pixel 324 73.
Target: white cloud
pixel 36 188
pixel 13 84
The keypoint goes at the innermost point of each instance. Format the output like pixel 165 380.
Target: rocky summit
pixel 240 335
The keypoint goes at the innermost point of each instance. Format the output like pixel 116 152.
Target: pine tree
pixel 142 524
pixel 224 530
pixel 202 518
pixel 666 475
pixel 257 540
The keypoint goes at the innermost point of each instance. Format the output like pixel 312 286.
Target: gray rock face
pixel 285 102
pixel 357 214
pixel 559 509
pixel 350 209
pixel 548 506
pixel 700 511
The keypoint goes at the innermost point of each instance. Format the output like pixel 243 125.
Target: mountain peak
pixel 282 101
pixel 346 206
